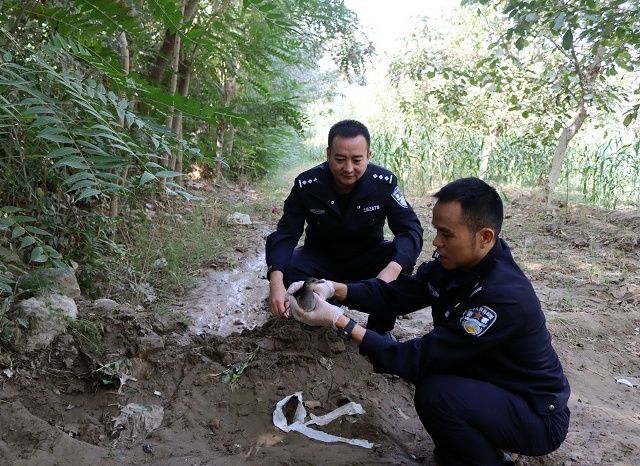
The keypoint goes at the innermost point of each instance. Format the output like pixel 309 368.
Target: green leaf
pixel 146 177
pixel 73 162
pixel 44 120
pixel 27 241
pixel 78 177
pixel 62 151
pixel 7 332
pixel 628 119
pixel 520 43
pixel 52 252
pixel 37 231
pixel 9 209
pixel 559 22
pixel 88 193
pixel 61 265
pixel 81 185
pixel 23 218
pixel 37 255
pixel 567 40
pixel 17 232
pixel 266 7
pixel 167 174
pixel 37 110
pixel 5 223
pixel 53 134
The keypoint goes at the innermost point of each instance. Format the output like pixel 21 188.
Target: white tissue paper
pixel 299 424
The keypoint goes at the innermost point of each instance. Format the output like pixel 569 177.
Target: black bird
pixel 305 297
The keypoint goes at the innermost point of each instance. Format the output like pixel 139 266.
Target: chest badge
pixel 477 321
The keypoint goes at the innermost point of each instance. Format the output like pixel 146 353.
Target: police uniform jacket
pixel 375 198
pixel 488 325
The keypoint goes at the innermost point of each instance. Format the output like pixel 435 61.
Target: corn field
pixel 605 174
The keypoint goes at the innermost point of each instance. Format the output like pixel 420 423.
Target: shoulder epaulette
pixel 302 182
pixel 385 178
pixel 313 175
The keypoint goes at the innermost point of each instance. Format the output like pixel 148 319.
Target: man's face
pixel 348 159
pixel 458 247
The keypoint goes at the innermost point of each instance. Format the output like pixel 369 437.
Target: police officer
pixel 487 379
pixel 345 202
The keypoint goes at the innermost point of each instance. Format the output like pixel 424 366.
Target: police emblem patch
pixel 476 321
pixel 399 197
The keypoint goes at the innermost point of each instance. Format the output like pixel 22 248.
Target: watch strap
pixel 346 331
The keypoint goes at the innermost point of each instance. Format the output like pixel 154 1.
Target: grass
pixel 87 334
pixel 174 239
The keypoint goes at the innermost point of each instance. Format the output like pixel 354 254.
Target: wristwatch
pixel 346 331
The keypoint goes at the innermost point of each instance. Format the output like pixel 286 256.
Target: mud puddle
pixel 229 301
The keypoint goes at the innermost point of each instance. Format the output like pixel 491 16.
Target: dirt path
pixel 216 384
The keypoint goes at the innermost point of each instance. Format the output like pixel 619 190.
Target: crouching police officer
pixel 487 378
pixel 345 202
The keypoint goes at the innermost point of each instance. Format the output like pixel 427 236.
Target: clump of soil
pixel 217 383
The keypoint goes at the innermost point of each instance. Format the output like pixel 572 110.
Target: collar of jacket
pixel 474 276
pixel 364 185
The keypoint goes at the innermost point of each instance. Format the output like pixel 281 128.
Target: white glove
pixel 295 286
pixel 324 314
pixel 325 289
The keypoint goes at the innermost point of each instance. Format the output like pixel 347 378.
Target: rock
pixel 7 256
pixel 51 281
pixel 47 318
pixel 105 304
pixel 150 344
pixel 238 218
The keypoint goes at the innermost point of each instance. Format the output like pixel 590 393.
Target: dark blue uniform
pixel 487 376
pixel 344 237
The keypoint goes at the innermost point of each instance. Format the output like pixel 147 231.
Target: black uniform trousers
pixel 309 262
pixel 471 421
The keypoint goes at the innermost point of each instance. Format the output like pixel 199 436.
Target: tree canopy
pixel 105 101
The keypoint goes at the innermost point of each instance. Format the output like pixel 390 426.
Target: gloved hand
pixel 325 289
pixel 324 314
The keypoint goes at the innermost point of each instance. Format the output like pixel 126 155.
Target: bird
pixel 305 297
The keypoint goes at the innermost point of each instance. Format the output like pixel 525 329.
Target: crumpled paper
pixel 135 419
pixel 299 424
pixel 629 381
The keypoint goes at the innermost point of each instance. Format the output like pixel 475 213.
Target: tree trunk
pixel 219 146
pixel 487 147
pixel 183 90
pixel 570 131
pixel 228 88
pixel 567 134
pixel 167 49
pixel 114 206
pixel 166 157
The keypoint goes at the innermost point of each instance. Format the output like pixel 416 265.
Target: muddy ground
pixel 210 389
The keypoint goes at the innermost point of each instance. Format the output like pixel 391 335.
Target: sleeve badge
pixel 399 197
pixel 477 321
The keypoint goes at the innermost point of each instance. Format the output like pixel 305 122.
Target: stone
pixel 47 317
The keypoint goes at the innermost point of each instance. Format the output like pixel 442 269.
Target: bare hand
pixel 277 298
pixel 390 272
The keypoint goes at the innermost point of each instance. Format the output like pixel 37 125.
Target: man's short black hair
pixel 480 203
pixel 348 129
